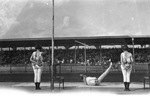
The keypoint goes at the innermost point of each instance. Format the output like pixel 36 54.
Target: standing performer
pixel 93 81
pixel 37 65
pixel 126 66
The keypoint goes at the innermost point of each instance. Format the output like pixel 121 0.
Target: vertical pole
pixel 75 55
pixel 75 59
pixel 25 59
pixel 49 60
pixel 133 54
pixel 85 60
pixel 10 62
pixel 1 55
pixel 100 49
pixel 52 61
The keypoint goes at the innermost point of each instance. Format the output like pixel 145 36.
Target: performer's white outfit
pixel 126 67
pixel 37 66
pixel 93 81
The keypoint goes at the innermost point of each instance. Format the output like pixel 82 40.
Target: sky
pixel 73 18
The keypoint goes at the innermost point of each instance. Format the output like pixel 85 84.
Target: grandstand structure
pixel 76 59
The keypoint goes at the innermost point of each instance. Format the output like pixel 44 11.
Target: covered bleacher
pixel 77 65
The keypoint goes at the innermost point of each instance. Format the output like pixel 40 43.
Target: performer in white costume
pixel 126 66
pixel 37 65
pixel 93 81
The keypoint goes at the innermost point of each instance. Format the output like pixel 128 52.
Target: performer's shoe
pixel 125 85
pixel 128 89
pixel 38 86
pixel 128 84
pixel 125 89
pixel 83 77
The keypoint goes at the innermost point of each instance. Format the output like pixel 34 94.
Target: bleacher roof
pixel 70 41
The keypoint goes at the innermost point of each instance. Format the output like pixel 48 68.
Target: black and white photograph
pixel 74 47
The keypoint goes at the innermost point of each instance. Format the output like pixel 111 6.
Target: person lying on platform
pixel 93 81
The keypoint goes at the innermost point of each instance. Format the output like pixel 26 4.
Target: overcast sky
pixel 74 18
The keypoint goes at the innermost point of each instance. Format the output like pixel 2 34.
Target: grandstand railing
pixel 22 68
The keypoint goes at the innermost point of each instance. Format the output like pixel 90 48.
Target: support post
pixel 85 60
pixel 25 59
pixel 133 54
pixel 75 55
pixel 10 63
pixel 100 59
pixel 49 61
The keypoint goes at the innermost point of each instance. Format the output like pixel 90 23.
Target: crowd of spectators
pixel 93 56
